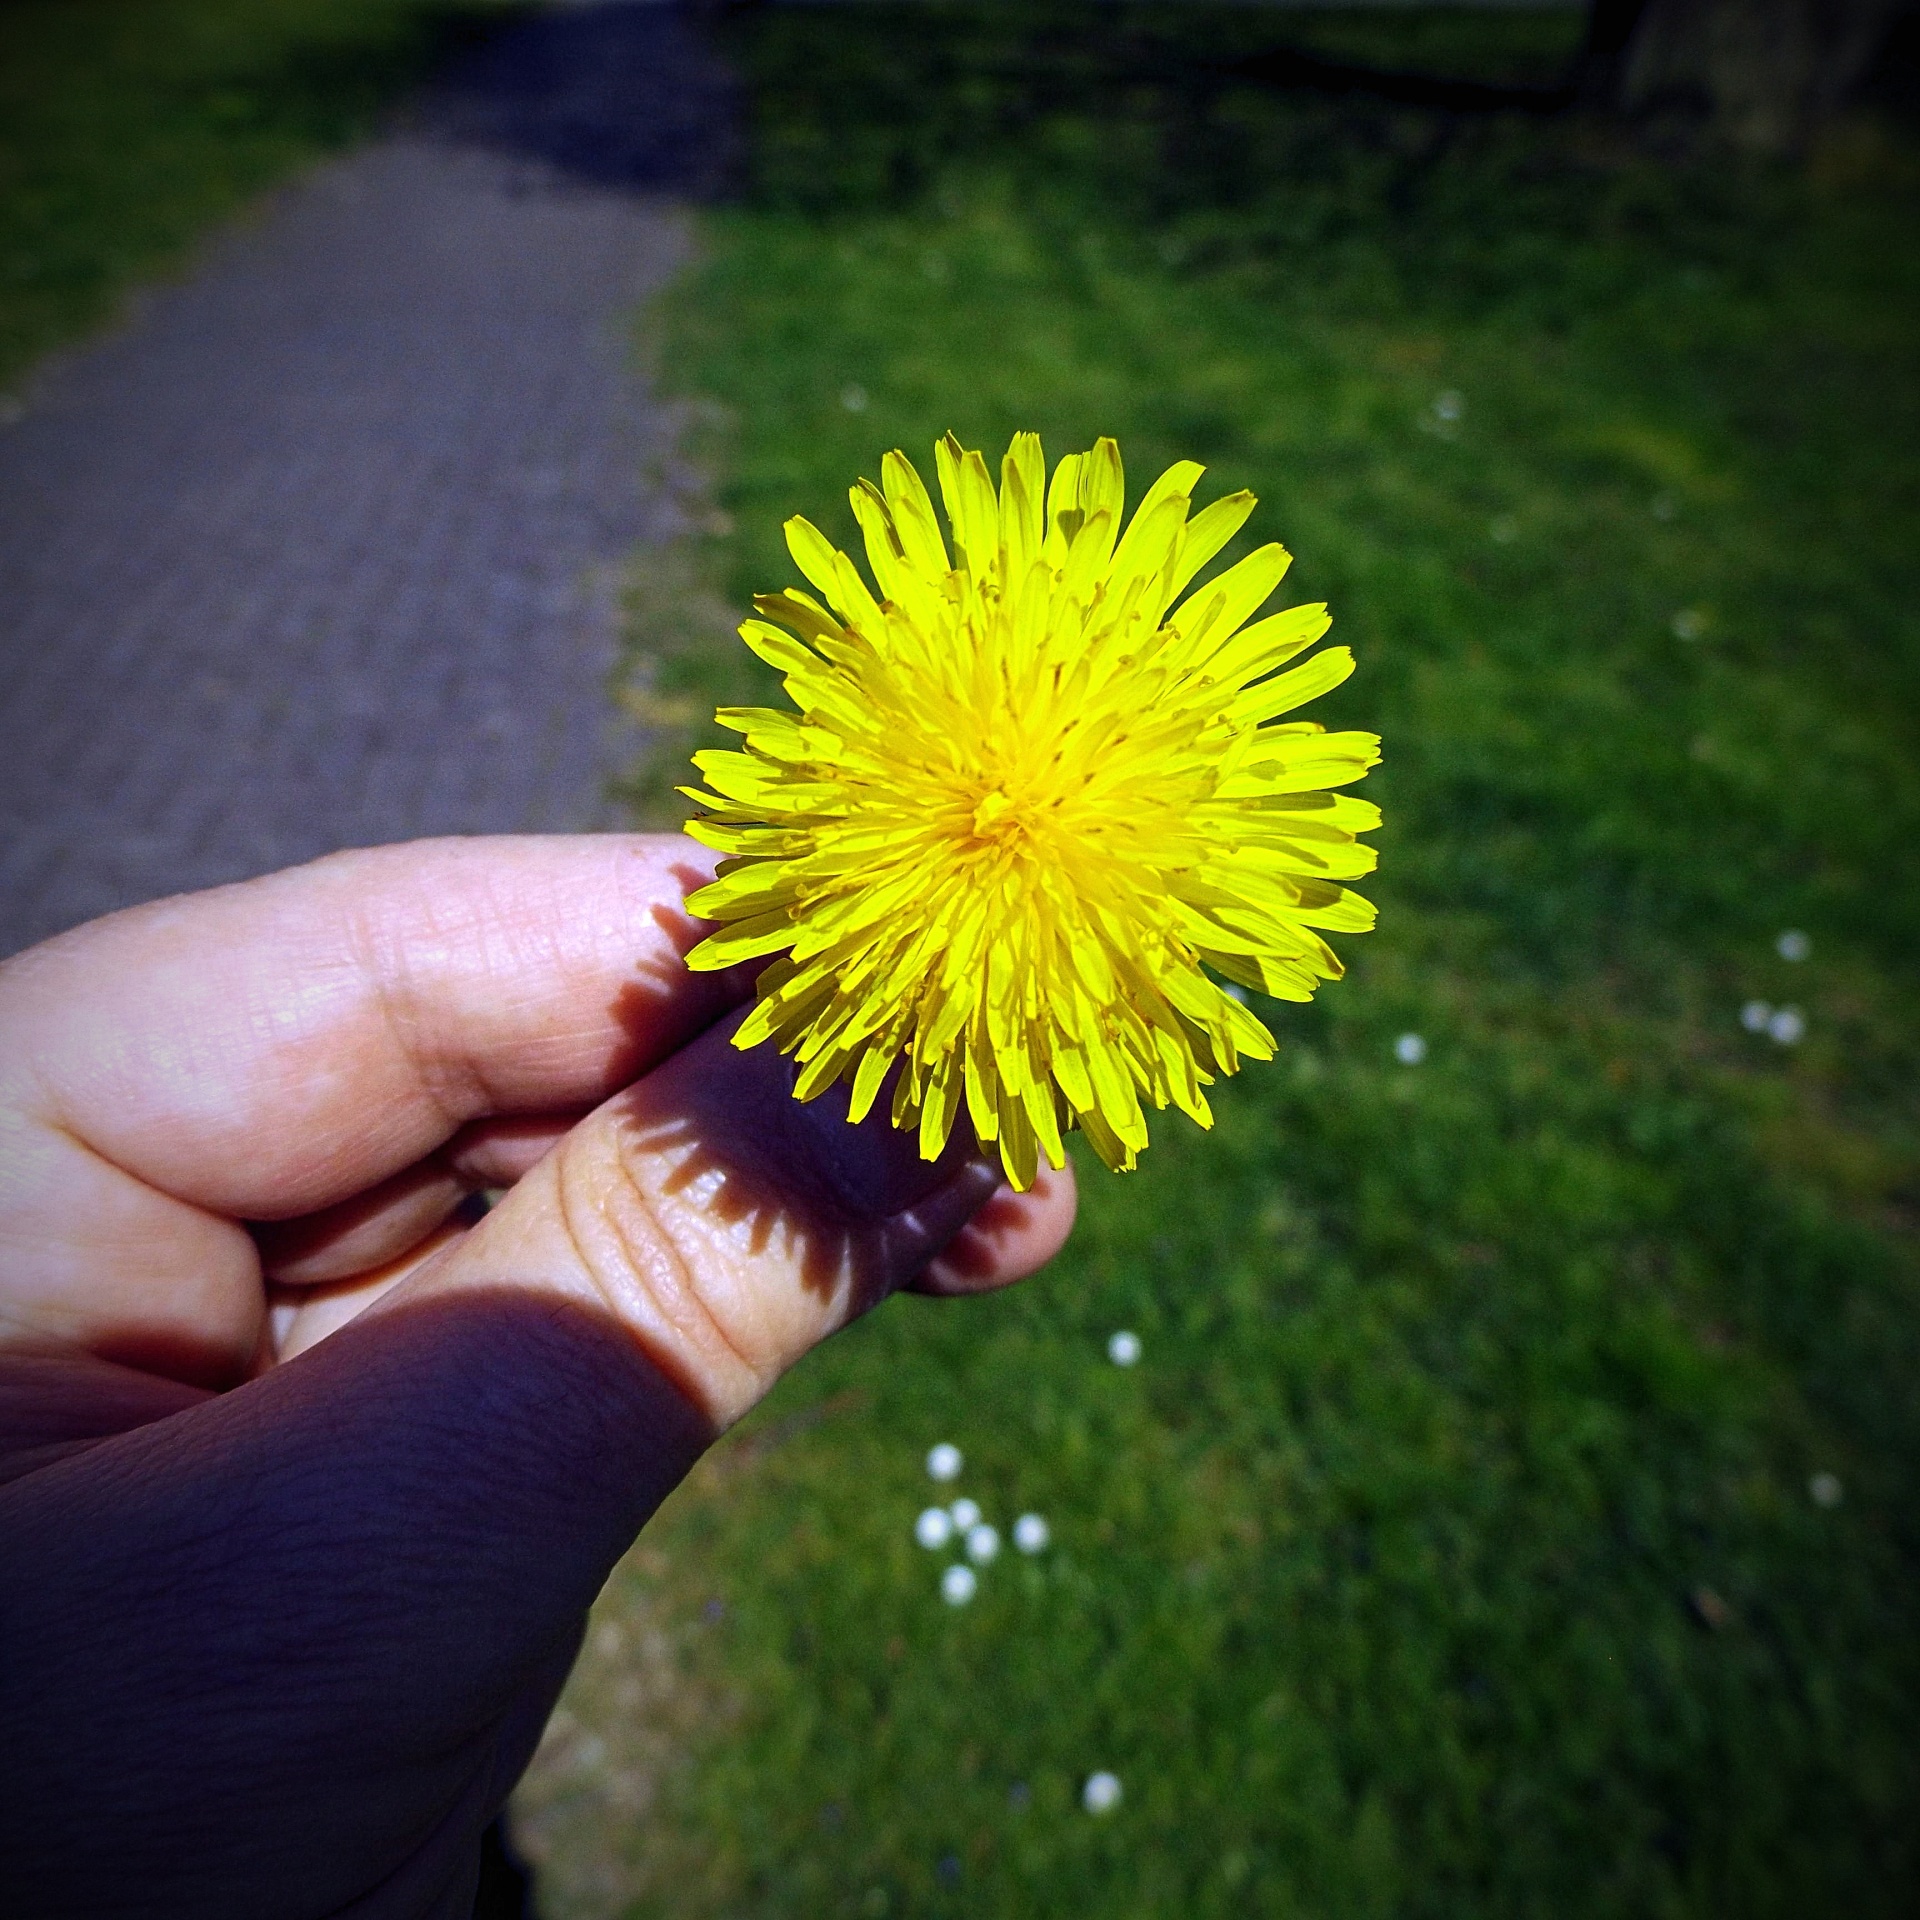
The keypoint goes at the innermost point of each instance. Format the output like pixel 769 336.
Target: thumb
pixel 729 1228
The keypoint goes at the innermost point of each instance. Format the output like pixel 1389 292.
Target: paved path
pixel 321 548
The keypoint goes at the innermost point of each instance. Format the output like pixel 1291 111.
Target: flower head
pixel 1027 802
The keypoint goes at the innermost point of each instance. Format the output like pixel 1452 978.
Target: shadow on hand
pixel 854 1209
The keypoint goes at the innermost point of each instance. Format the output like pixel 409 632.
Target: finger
pixel 53 1404
pixel 496 1153
pixel 361 1233
pixel 269 1049
pixel 382 1223
pixel 96 1262
pixel 301 1317
pixel 1012 1236
pixel 729 1228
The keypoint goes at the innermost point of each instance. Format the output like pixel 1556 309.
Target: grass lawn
pixel 1456 1545
pixel 127 127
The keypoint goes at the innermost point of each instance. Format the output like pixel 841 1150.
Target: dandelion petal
pixel 1041 815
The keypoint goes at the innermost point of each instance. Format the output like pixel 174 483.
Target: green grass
pixel 128 127
pixel 1451 1550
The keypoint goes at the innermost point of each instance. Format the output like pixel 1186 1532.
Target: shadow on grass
pixel 624 95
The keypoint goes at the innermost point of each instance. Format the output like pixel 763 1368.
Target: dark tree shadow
pixel 616 95
pixel 1292 68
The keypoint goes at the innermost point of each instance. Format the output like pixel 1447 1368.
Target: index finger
pixel 267 1049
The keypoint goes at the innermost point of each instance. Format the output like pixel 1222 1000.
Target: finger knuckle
pixel 649 1266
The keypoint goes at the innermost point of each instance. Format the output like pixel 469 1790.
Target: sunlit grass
pixel 1452 1548
pixel 128 126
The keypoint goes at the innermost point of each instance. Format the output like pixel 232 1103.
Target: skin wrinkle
pixel 647 1257
pixel 398 980
pixel 389 968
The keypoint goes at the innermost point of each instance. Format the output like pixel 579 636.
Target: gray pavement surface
pixel 321 546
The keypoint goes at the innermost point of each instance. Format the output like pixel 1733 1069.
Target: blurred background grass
pixel 1453 1547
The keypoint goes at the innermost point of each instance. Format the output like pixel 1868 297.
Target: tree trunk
pixel 1762 73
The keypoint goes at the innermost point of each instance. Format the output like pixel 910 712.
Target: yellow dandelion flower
pixel 1027 802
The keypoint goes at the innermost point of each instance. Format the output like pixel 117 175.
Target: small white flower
pixel 1825 1490
pixel 1755 1015
pixel 983 1543
pixel 945 1461
pixel 1788 1027
pixel 1124 1349
pixel 966 1513
pixel 958 1585
pixel 1101 1794
pixel 1031 1534
pixel 933 1529
pixel 1410 1049
pixel 853 397
pixel 1793 945
pixel 1689 624
pixel 1447 406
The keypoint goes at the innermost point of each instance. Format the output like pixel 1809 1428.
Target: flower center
pixel 997 816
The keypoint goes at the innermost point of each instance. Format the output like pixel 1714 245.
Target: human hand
pixel 311 1479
